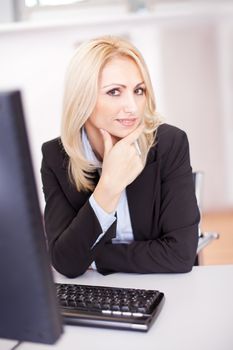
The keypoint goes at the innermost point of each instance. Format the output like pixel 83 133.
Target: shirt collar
pixel 88 151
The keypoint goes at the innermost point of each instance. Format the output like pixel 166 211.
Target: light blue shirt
pixel 124 232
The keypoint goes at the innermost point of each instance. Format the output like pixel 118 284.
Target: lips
pixel 127 121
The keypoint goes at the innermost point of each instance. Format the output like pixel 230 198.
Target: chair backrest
pixel 205 238
pixel 198 182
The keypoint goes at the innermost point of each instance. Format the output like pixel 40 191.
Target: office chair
pixel 205 238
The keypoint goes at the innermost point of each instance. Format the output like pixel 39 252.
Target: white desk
pixel 197 314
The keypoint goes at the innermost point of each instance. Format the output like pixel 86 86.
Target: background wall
pixel 190 58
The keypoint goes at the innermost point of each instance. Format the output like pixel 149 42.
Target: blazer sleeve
pixel 174 249
pixel 71 233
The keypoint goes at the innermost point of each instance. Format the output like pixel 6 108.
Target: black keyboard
pixel 109 307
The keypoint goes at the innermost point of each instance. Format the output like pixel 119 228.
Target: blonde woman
pixel 117 183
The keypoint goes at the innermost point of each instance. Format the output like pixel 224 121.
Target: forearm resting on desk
pixel 162 255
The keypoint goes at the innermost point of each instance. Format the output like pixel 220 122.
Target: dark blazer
pixel 162 205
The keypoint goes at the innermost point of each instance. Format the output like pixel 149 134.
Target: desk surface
pixel 197 314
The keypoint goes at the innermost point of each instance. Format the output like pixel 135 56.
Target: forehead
pixel 122 70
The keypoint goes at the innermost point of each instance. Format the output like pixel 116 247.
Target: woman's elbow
pixel 67 268
pixel 185 265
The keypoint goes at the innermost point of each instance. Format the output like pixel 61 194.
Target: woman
pixel 118 183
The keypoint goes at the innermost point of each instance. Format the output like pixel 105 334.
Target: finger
pixel 134 135
pixel 107 139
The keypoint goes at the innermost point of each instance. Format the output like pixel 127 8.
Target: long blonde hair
pixel 80 96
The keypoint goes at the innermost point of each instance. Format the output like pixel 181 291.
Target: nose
pixel 130 105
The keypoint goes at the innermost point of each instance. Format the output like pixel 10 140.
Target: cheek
pixel 96 120
pixel 141 105
pixel 100 116
pixel 106 110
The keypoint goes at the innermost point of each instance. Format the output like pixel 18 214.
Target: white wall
pixel 194 102
pixel 189 67
pixel 6 11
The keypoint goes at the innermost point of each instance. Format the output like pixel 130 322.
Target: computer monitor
pixel 28 305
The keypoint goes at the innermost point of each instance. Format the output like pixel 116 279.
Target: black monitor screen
pixel 28 304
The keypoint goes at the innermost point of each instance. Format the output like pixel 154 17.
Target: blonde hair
pixel 80 96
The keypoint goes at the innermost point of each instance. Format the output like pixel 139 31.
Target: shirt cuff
pixel 93 266
pixel 105 219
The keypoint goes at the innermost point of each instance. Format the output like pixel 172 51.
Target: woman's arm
pixel 71 232
pixel 175 248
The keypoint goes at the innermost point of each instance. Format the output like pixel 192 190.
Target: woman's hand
pixel 121 162
pixel 121 165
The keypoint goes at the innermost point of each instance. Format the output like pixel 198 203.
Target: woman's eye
pixel 140 91
pixel 114 92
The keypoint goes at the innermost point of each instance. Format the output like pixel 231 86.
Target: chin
pixel 120 135
pixel 123 132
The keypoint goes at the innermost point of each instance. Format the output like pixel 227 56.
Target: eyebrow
pixel 121 85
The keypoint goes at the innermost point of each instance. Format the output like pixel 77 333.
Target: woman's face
pixel 121 100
